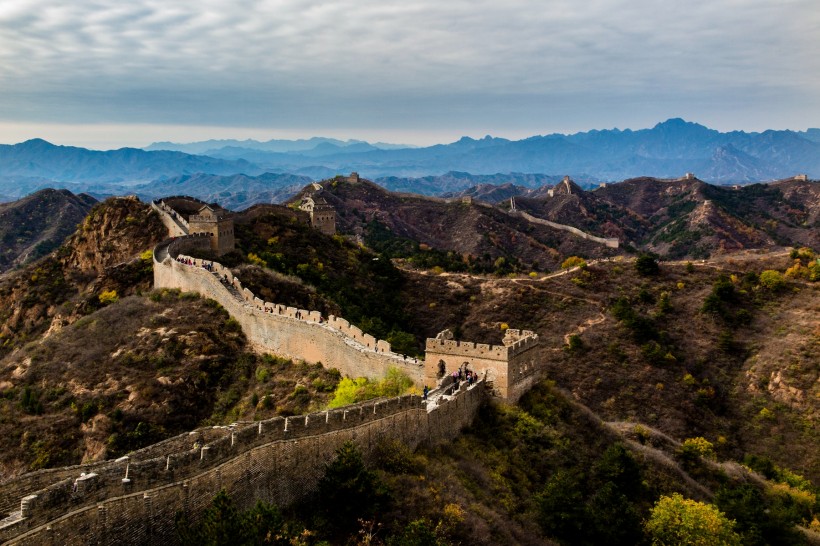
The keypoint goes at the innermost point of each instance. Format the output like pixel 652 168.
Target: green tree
pixel 561 506
pixel 676 521
pixel 348 491
pixel 647 265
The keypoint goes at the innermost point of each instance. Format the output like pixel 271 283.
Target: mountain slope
pixel 37 224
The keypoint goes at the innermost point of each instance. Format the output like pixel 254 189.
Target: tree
pixel 561 506
pixel 676 521
pixel 348 491
pixel 646 265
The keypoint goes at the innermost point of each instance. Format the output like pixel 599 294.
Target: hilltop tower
pixel 322 214
pixel 512 367
pixel 216 221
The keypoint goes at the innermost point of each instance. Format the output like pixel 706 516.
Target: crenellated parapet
pixel 512 367
pixel 275 328
pixel 135 499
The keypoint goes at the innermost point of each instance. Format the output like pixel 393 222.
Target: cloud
pixel 370 63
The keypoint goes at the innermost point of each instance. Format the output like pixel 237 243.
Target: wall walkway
pixel 134 500
pixel 270 327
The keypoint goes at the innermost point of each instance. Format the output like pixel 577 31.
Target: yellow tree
pixel 676 521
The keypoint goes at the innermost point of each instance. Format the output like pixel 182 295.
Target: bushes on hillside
pixel 349 390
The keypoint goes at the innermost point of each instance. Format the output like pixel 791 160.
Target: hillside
pixel 94 363
pixel 675 367
pixel 452 234
pixel 106 253
pixel 676 219
pixel 37 224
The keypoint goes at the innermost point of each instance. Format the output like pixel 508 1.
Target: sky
pixel 107 73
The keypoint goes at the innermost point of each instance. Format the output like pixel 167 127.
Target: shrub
pixel 573 261
pixel 772 280
pixel 348 490
pixel 108 296
pixel 694 448
pixel 575 344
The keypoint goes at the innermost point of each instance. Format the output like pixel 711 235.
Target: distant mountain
pixel 234 192
pixel 40 162
pixel 454 182
pixel 35 225
pixel 667 150
pixel 282 146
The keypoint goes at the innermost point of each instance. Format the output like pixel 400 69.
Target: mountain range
pixel 667 150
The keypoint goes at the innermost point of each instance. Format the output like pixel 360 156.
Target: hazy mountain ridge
pixel 667 150
pixel 235 192
pixel 273 145
pixel 40 160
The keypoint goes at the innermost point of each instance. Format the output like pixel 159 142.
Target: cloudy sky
pixel 108 73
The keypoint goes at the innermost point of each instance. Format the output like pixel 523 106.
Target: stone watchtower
pixel 216 221
pixel 322 214
pixel 512 367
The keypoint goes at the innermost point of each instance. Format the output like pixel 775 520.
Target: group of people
pixel 464 374
pixel 207 266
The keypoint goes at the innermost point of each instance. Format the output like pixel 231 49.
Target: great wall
pixel 134 499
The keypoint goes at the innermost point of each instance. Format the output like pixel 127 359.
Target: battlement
pixel 467 348
pixel 212 220
pixel 512 367
pixel 134 501
pixel 282 330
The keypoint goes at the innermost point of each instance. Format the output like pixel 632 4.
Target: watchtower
pixel 322 214
pixel 216 221
pixel 512 367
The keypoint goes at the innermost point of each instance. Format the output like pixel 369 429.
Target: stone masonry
pixel 512 367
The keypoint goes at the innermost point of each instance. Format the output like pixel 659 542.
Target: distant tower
pixel 566 182
pixel 322 214
pixel 801 177
pixel 689 176
pixel 218 223
pixel 353 178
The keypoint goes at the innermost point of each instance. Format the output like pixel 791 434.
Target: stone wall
pixel 609 242
pixel 277 329
pixel 279 460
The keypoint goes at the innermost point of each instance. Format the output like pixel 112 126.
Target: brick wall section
pixel 279 460
pixel 284 331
